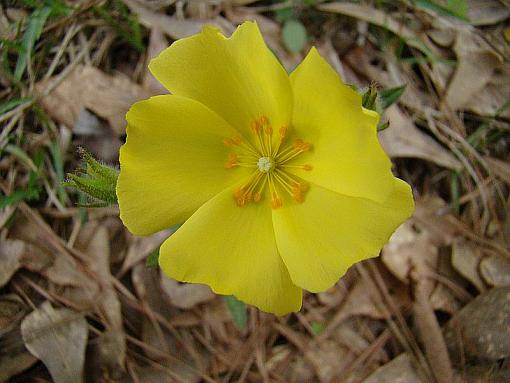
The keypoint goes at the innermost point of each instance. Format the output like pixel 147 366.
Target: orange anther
pixel 307 167
pixel 255 126
pixel 228 142
pixel 257 197
pixel 276 201
pixel 297 196
pixel 264 120
pixel 283 132
pixel 269 130
pixel 298 142
pixel 237 140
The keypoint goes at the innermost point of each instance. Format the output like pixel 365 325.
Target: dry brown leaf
pixel 495 270
pixel 94 242
pixel 327 358
pixel 399 370
pixel 490 100
pixel 185 295
pixel 371 15
pixel 174 27
pixel 11 252
pixel 141 247
pixel 466 259
pixel 432 214
pixel 499 168
pixel 96 136
pixel 476 63
pixel 107 96
pixel 58 338
pixel 487 12
pixel 14 357
pixel 409 250
pixel 403 139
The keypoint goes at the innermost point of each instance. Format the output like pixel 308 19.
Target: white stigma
pixel 265 164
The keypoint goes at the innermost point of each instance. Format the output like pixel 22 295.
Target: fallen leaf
pixel 14 357
pixel 371 15
pixel 403 139
pixel 109 97
pixel 58 338
pixel 95 135
pixel 432 214
pixel 476 63
pixel 185 295
pixel 499 168
pixel 141 247
pixel 466 260
pixel 409 250
pixel 10 255
pixel 495 270
pixel 486 12
pixel 174 27
pixel 399 370
pixel 94 242
pixel 493 97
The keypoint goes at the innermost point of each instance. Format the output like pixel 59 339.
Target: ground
pixel 77 299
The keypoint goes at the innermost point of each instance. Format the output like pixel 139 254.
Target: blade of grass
pixel 34 29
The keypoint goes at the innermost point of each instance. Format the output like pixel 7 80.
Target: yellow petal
pixel 322 237
pixel 173 162
pixel 346 155
pixel 233 250
pixel 237 77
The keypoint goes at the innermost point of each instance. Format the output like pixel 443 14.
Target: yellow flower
pixel 280 180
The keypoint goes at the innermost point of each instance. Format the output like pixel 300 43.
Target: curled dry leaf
pixel 495 270
pixel 487 12
pixel 466 259
pixel 94 242
pixel 476 63
pixel 14 357
pixel 403 139
pixel 399 370
pixel 58 338
pixel 141 247
pixel 184 295
pixel 174 27
pixel 10 255
pixel 109 97
pixel 409 250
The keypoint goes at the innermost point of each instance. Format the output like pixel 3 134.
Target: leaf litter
pixel 78 302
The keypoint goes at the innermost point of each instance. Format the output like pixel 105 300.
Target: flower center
pixel 265 164
pixel 270 163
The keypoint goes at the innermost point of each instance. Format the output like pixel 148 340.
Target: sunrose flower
pixel 280 180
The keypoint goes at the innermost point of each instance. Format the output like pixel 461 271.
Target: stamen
pixel 270 163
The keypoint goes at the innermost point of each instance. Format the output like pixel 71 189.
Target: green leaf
pixel 11 104
pixel 317 327
pixel 153 259
pixel 237 310
pixel 391 95
pixel 294 35
pixel 34 29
